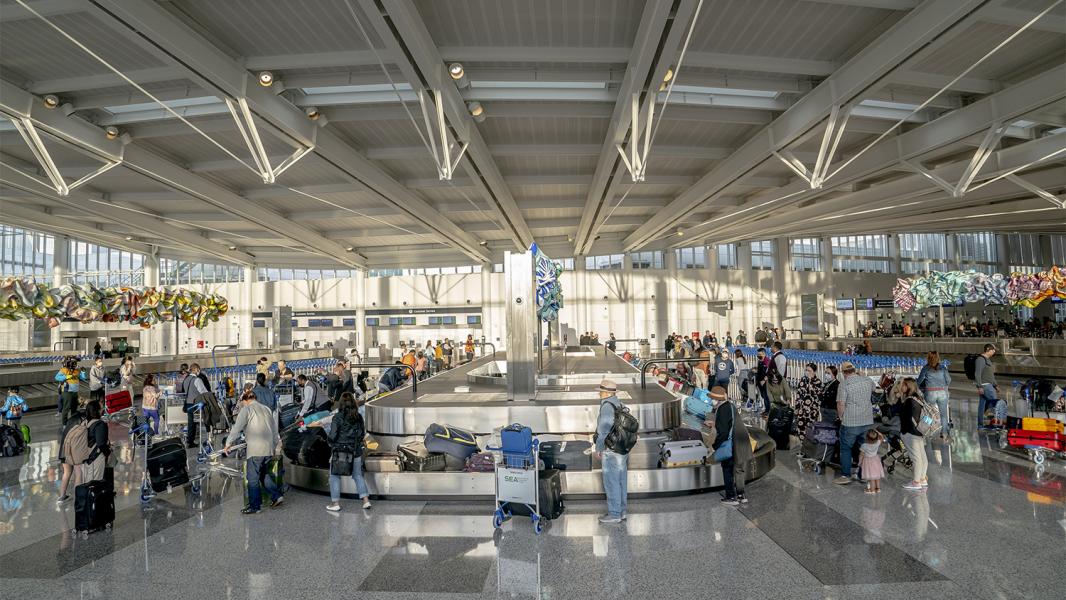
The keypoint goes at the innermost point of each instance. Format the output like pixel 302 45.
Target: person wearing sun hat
pixel 734 469
pixel 615 466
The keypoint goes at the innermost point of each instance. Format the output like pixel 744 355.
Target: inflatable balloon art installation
pixel 951 287
pixel 549 289
pixel 24 298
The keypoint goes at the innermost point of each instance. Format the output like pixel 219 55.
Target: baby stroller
pixel 897 452
pixel 820 447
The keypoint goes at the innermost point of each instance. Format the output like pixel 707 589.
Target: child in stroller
pixel 889 427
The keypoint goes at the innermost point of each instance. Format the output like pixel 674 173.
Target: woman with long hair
pixel 910 410
pixel 934 382
pixel 346 441
pixel 150 402
pixel 809 395
pixel 830 385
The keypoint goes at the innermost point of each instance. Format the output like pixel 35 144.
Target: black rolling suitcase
pixel 779 425
pixel 308 448
pixel 94 506
pixel 287 416
pixel 567 456
pixel 550 494
pixel 168 464
pixel 415 457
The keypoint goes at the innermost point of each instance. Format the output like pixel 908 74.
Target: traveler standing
pixel 196 393
pixel 777 377
pixel 150 402
pixel 421 364
pixel 910 409
pixel 438 357
pixel 96 379
pixel 448 353
pixel 468 348
pixel 122 348
pixel 311 401
pixel 125 374
pixel 263 394
pixel 668 346
pixel 723 369
pixel 727 426
pixel 612 344
pixel 761 366
pixel 985 379
pixel 92 469
pixel 260 430
pixel 742 338
pixel 346 435
pixel 728 339
pixel 69 468
pixel 809 399
pixel 856 415
pixel 96 350
pixel 708 341
pixel 69 378
pixel 702 370
pixel 615 465
pixel 431 362
pixel 744 377
pixel 934 381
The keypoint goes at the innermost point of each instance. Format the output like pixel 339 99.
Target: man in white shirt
pixel 310 394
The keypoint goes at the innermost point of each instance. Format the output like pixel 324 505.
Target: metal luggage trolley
pixel 517 475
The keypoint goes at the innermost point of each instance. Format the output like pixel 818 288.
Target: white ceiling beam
pixel 344 58
pixel 152 25
pixel 1053 22
pixel 934 81
pixel 162 129
pixel 11 12
pixel 762 64
pixel 133 96
pixel 47 220
pixel 883 4
pixel 847 84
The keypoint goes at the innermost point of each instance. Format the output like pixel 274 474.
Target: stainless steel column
pixel 521 326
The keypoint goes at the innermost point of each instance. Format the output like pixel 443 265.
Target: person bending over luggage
pixel 311 401
pixel 150 402
pixel 263 394
pixel 260 430
pixel 195 391
pixel 345 437
pixel 615 466
pixel 734 469
pixel 99 445
pixel 391 379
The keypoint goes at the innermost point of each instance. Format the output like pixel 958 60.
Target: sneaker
pixel 925 483
pixel 610 519
pixel 730 501
pixel 63 498
pixel 366 503
pixel 624 516
pixel 742 499
pixel 277 503
pixel 248 510
pixel 842 480
pixel 334 507
pixel 913 486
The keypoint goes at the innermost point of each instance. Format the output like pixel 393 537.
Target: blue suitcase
pixel 697 407
pixel 455 442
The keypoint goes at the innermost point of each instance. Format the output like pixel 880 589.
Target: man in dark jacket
pixel 762 368
pixel 734 469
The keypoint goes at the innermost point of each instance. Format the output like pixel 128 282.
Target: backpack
pixel 623 434
pixel 15 412
pixel 11 442
pixel 76 444
pixel 772 374
pixel 970 366
pixel 928 421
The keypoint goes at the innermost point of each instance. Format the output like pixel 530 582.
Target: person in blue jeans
pixel 856 415
pixel 346 435
pixel 615 465
pixel 985 378
pixel 934 382
pixel 260 430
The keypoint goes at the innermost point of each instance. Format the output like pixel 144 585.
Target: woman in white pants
pixel 934 381
pixel 910 410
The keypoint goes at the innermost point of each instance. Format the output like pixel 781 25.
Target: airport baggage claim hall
pixel 546 299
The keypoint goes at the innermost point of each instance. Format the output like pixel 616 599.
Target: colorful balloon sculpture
pixel 549 289
pixel 1020 289
pixel 24 298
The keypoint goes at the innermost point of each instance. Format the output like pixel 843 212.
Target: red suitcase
pixel 1052 440
pixel 116 401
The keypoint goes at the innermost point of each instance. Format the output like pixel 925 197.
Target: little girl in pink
pixel 870 461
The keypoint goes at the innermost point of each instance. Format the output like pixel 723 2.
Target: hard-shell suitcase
pixel 1036 424
pixel 94 506
pixel 779 425
pixel 415 457
pixel 481 462
pixel 382 462
pixel 118 400
pixel 550 496
pixel 307 448
pixel 687 433
pixel 1052 440
pixel 682 454
pixel 567 456
pixel 453 441
pixel 168 464
pixel 697 407
pixel 287 415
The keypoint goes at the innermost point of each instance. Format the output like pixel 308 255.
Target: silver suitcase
pixel 383 462
pixel 685 453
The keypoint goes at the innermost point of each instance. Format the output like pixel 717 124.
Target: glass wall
pixel 691 258
pixel 104 266
pixel 727 256
pixel 978 251
pixel 24 252
pixel 603 262
pixel 923 252
pixel 288 274
pixel 647 260
pixel 762 255
pixel 806 254
pixel 860 253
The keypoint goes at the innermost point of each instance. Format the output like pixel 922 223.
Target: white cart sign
pixel 516 485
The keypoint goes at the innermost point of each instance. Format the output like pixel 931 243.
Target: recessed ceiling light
pixel 266 78
pixel 312 113
pixel 476 109
pixel 232 248
pixel 456 71
pixel 129 238
pixel 350 249
pixel 51 101
pixel 680 232
pixel 111 132
pixel 483 243
pixel 669 75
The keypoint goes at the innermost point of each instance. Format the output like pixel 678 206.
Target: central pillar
pixel 521 326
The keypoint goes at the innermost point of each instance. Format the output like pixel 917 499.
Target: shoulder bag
pixel 725 451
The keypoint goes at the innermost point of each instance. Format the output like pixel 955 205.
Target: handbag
pixel 725 451
pixel 341 463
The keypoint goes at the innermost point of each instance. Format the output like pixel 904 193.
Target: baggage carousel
pixel 473 396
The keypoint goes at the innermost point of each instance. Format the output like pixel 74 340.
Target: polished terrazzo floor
pixel 988 528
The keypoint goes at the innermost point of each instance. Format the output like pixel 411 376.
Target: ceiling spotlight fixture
pixel 669 75
pixel 312 113
pixel 51 101
pixel 680 232
pixel 350 249
pixel 456 71
pixel 483 243
pixel 129 238
pixel 476 110
pixel 266 78
pixel 232 248
pixel 569 238
pixel 111 132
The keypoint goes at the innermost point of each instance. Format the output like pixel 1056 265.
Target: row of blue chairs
pixel 34 360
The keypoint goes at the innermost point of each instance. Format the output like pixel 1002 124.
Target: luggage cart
pixel 518 482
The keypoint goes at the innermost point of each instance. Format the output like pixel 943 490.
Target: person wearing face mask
pixel 729 427
pixel 809 393
pixel 830 385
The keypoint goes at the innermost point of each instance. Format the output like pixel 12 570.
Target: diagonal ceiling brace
pixel 1059 201
pixel 26 129
pixel 834 131
pixel 437 134
pixel 242 115
pixel 980 157
pixel 639 139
